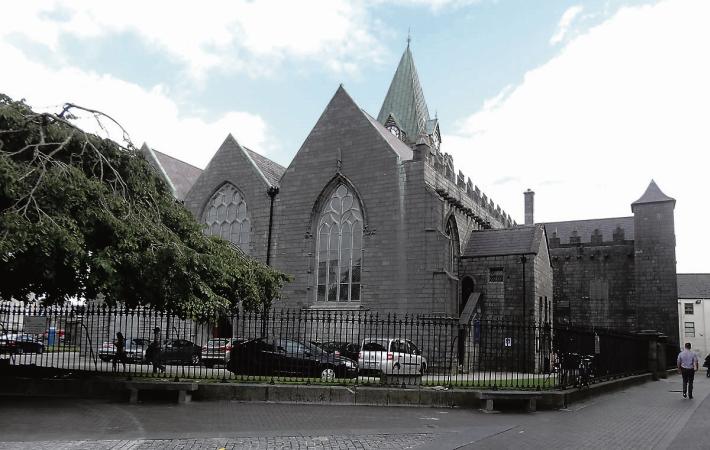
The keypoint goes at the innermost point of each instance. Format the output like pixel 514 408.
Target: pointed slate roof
pixel 405 99
pixel 182 175
pixel 271 170
pixel 523 240
pixel 653 194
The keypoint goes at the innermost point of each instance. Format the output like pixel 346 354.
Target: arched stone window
pixel 452 254
pixel 339 247
pixel 226 215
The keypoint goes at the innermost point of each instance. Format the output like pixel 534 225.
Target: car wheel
pixel 195 360
pixel 327 374
pixel 20 351
pixel 105 358
pixel 209 365
pixel 40 350
pixel 422 369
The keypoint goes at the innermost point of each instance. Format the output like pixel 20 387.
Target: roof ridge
pixel 177 159
pixel 588 220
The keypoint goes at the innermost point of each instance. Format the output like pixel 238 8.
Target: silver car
pixel 391 356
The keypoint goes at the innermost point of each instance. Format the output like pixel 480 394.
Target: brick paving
pixel 648 416
pixel 375 441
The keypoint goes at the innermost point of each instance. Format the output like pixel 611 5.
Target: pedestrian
pixel 707 364
pixel 120 354
pixel 687 365
pixel 154 351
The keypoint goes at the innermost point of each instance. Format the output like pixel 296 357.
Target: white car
pixel 391 356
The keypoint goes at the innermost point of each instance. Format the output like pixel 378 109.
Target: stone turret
pixel 655 263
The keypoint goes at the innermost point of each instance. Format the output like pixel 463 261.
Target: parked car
pixel 287 357
pixel 20 343
pixel 135 350
pixel 180 351
pixel 347 349
pixel 391 356
pixel 218 350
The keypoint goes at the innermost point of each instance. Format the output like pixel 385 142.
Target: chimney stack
pixel 529 207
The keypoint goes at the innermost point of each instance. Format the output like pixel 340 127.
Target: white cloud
pixel 148 115
pixel 627 101
pixel 224 35
pixel 565 22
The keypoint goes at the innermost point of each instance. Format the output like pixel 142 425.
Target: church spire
pixel 404 103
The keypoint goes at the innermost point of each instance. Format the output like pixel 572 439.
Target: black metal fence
pixel 319 347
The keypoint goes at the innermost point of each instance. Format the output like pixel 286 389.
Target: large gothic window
pixel 339 247
pixel 226 215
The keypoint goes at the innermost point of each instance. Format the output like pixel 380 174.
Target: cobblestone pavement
pixel 652 415
pixel 375 441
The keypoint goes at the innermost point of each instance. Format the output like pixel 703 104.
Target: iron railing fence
pixel 308 346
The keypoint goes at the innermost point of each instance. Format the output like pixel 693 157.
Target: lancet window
pixel 339 248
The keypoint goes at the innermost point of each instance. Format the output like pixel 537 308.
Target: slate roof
pixel 182 174
pixel 403 151
pixel 585 228
pixel 505 241
pixel 405 99
pixel 653 194
pixel 694 285
pixel 271 170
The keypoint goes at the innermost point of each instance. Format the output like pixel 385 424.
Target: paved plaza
pixel 652 415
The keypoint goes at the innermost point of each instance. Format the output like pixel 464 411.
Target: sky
pixel 583 102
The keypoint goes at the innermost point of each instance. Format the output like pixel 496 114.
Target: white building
pixel 694 311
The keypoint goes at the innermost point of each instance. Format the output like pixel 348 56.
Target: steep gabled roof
pixel 403 151
pixel 271 170
pixel 505 241
pixel 585 229
pixel 653 194
pixel 182 174
pixel 405 99
pixel 179 175
pixel 694 285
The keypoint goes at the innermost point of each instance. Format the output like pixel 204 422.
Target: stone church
pixel 371 215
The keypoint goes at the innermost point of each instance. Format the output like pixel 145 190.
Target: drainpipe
pixel 273 190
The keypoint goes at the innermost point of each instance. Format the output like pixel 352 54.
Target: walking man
pixel 120 355
pixel 155 351
pixel 687 365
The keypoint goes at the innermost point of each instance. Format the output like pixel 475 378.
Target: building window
pixel 453 248
pixel 689 329
pixel 688 309
pixel 339 248
pixel 226 216
pixel 495 275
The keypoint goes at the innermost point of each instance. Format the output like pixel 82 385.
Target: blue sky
pixel 582 101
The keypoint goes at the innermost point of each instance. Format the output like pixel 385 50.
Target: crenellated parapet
pixel 459 190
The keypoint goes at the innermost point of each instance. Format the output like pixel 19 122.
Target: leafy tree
pixel 82 216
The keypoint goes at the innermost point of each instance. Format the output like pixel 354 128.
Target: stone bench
pixel 530 398
pixel 184 389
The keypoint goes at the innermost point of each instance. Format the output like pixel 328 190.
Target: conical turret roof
pixel 653 194
pixel 405 99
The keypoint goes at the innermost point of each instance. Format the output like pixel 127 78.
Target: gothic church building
pixel 371 215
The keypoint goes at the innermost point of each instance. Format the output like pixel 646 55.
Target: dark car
pixel 20 343
pixel 347 349
pixel 287 357
pixel 180 351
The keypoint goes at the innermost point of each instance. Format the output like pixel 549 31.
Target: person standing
pixel 120 355
pixel 155 351
pixel 687 365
